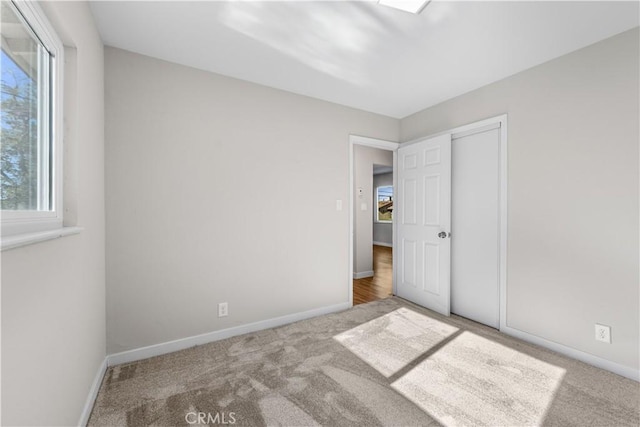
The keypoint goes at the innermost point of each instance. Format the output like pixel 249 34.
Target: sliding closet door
pixel 475 226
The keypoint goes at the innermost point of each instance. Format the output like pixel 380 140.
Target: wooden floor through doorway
pixel 381 284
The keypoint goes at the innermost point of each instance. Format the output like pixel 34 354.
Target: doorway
pixel 380 218
pixel 371 185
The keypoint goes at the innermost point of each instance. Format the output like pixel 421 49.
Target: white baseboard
pixel 181 344
pixel 588 358
pixel 388 245
pixel 93 393
pixel 363 274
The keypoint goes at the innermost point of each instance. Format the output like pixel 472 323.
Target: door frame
pixel 501 120
pixel 383 145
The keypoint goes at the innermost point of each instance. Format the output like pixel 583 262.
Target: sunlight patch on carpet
pixel 391 342
pixel 475 381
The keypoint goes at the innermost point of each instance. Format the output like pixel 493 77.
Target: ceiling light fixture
pixel 411 6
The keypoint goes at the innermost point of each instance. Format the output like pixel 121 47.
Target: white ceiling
pixel 359 53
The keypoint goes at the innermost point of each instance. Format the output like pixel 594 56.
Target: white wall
pixel 213 194
pixel 53 295
pixel 573 192
pixel 382 231
pixel 364 158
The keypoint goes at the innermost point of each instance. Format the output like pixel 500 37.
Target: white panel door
pixel 424 220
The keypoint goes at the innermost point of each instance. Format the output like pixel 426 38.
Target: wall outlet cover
pixel 223 309
pixel 603 333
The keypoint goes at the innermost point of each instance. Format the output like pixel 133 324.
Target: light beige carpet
pixel 383 363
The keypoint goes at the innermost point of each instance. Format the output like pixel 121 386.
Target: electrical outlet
pixel 223 309
pixel 603 333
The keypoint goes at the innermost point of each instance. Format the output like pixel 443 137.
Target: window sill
pixel 12 242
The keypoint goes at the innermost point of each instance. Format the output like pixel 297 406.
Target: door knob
pixel 444 234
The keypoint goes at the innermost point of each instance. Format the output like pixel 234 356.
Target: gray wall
pixel 53 295
pixel 382 231
pixel 213 194
pixel 364 159
pixel 573 192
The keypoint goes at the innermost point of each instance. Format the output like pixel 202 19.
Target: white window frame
pixel 23 227
pixel 376 211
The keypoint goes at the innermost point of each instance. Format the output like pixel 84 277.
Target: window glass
pixel 25 161
pixel 385 203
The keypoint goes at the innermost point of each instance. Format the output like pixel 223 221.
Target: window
pixel 30 119
pixel 384 196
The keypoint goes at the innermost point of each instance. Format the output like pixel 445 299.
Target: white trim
pixel 385 244
pixel 183 343
pixel 461 129
pixel 475 130
pixel 504 219
pixel 93 394
pixel 45 32
pixel 394 232
pixel 590 359
pixel 363 274
pixel 375 143
pixel 12 242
